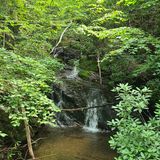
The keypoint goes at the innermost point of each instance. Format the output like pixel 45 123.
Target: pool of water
pixel 74 144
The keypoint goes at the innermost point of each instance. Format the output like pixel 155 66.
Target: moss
pixel 88 64
pixel 84 74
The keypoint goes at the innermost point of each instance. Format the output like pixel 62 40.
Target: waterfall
pixel 94 100
pixel 63 119
pixel 91 121
pixel 73 74
pixel 80 96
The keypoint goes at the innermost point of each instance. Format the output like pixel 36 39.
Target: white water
pixel 64 116
pixel 73 74
pixel 91 120
pixel 93 115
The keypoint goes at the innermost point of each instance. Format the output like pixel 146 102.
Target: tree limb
pixel 99 69
pixel 83 108
pixel 28 134
pixel 60 39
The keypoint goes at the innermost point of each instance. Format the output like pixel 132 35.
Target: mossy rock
pixel 88 64
pixel 84 74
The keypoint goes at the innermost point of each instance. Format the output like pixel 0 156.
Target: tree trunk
pixel 28 135
pixel 60 39
pixel 99 68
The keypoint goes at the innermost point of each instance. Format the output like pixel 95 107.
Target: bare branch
pixel 83 108
pixel 60 39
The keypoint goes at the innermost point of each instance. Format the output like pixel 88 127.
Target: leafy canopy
pixel 24 84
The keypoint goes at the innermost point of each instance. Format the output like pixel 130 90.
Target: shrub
pixel 135 139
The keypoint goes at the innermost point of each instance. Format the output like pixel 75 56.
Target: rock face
pixel 80 88
pixel 77 93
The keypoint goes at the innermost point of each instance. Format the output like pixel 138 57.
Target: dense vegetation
pixel 135 138
pixel 111 42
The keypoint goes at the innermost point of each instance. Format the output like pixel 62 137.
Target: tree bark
pixel 99 69
pixel 28 135
pixel 84 108
pixel 60 39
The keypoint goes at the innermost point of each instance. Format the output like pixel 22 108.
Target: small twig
pixel 5 149
pixel 33 142
pixel 44 156
pixel 38 140
pixel 150 115
pixel 25 157
pixel 143 120
pixel 60 39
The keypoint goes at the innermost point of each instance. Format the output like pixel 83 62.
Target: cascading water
pixel 94 100
pixel 80 96
pixel 91 121
pixel 63 119
pixel 73 74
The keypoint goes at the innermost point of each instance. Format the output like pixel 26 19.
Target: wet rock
pixel 76 94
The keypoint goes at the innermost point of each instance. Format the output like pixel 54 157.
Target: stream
pixel 74 144
pixel 77 143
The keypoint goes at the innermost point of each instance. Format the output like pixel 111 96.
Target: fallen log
pixel 84 108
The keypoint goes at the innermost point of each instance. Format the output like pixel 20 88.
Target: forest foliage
pixel 123 34
pixel 135 138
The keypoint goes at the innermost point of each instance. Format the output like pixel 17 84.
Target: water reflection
pixel 74 144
